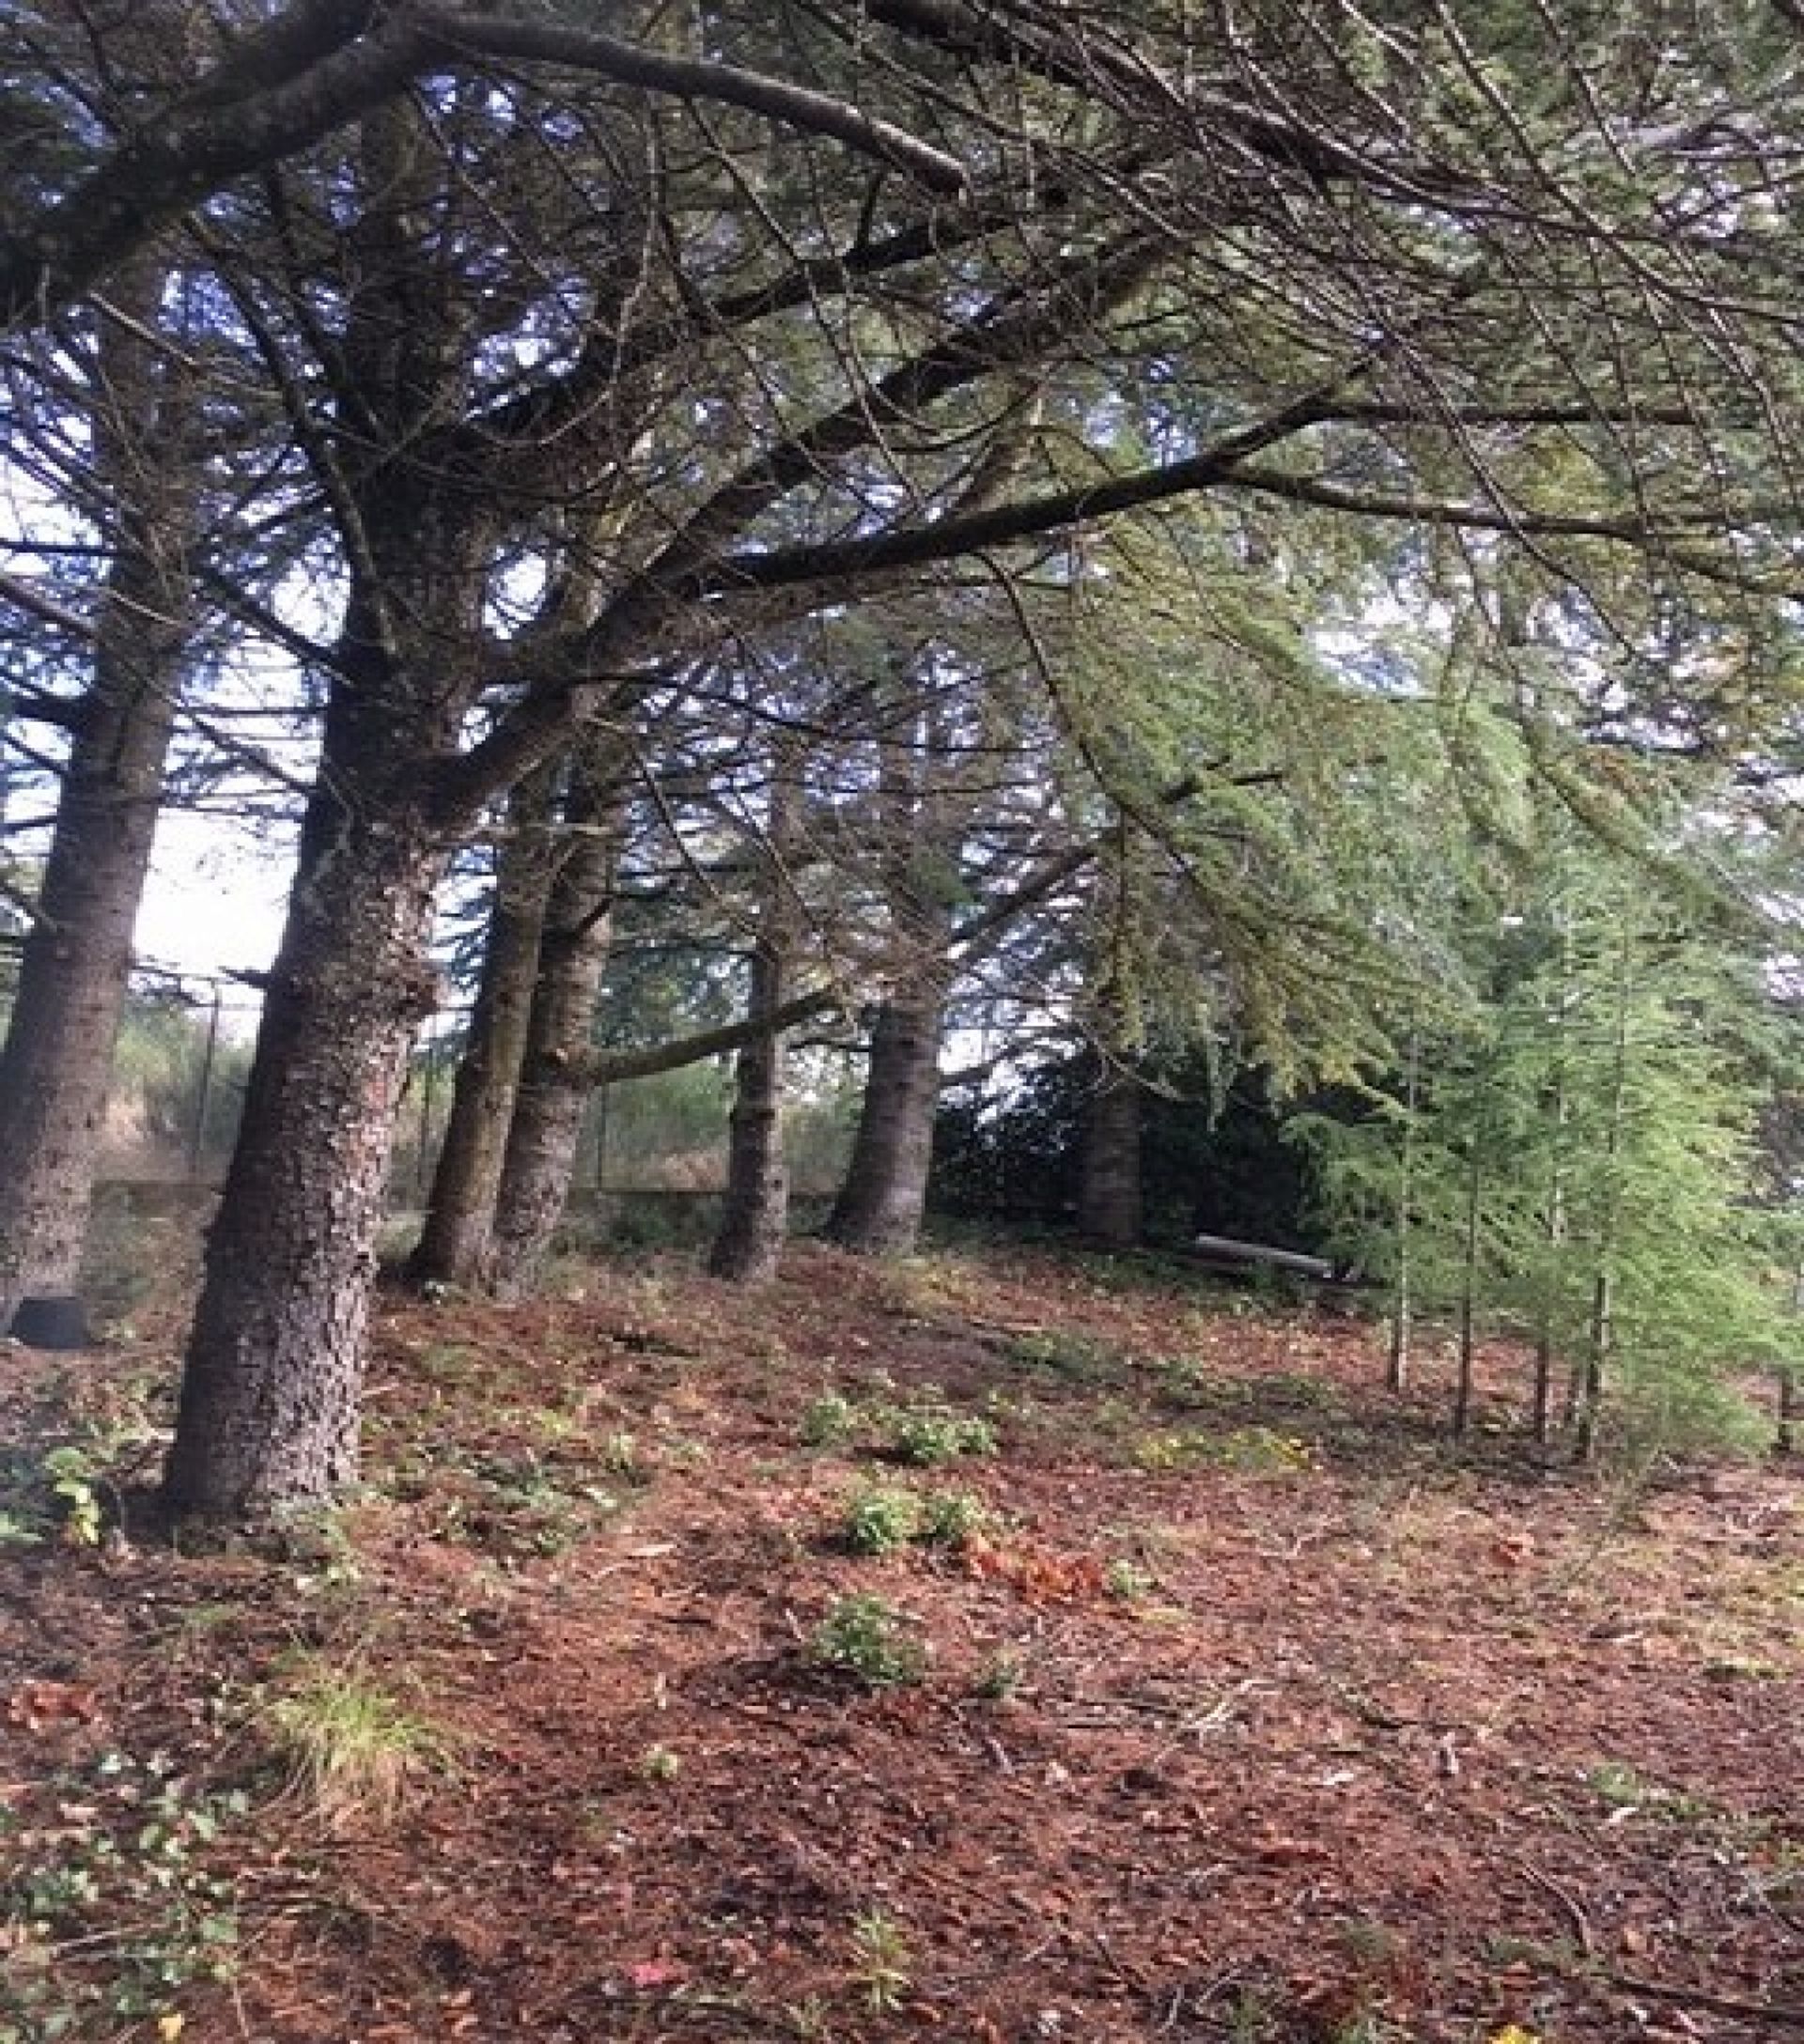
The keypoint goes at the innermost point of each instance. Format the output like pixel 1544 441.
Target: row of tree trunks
pixel 56 1068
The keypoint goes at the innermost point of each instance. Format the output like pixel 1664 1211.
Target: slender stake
pixel 1402 1299
pixel 198 1134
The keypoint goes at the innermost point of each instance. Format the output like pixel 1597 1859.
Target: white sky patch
pixel 216 894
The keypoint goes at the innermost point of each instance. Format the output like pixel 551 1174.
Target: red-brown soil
pixel 1259 1711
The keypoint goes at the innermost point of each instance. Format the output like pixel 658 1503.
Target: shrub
pixel 929 1434
pixel 952 1518
pixel 880 1522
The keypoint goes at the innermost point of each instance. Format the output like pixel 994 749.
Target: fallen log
pixel 1234 1255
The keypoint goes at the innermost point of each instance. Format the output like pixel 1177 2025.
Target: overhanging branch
pixel 696 78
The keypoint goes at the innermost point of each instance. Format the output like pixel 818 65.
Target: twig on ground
pixel 1776 2014
pixel 1568 1902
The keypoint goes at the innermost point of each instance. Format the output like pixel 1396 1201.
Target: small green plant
pixel 452 1364
pixel 1619 1784
pixel 928 1434
pixel 661 1763
pixel 75 1478
pixel 881 1521
pixel 831 1421
pixel 1367 2027
pixel 1063 1351
pixel 1368 1943
pixel 952 1519
pixel 513 1506
pixel 135 1856
pixel 866 1636
pixel 621 1457
pixel 999 1678
pixel 885 1967
pixel 1625 1790
pixel 1128 1582
pixel 1246 1450
pixel 351 1750
pixel 1252 2019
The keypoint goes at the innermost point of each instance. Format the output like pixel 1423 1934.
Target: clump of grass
pixel 352 1751
pixel 885 1967
pixel 866 1636
pixel 999 1678
pixel 1065 1351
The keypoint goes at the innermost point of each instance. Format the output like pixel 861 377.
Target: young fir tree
pixel 1573 1165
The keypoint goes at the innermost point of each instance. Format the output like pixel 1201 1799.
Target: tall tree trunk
pixel 1111 1209
pixel 270 1395
pixel 57 1065
pixel 552 1099
pixel 1467 1352
pixel 272 1382
pixel 882 1203
pixel 454 1245
pixel 754 1217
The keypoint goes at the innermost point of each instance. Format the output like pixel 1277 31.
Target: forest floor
pixel 1198 1690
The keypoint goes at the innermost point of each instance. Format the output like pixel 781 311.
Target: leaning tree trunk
pixel 882 1203
pixel 57 1065
pixel 554 1096
pixel 1111 1209
pixel 454 1245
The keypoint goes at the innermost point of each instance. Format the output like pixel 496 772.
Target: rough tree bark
pixel 884 1199
pixel 268 1417
pixel 271 1391
pixel 1110 1211
pixel 553 1093
pixel 56 1068
pixel 924 816
pixel 454 1245
pixel 754 1216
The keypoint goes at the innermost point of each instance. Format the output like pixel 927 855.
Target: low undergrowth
pixel 1001 1651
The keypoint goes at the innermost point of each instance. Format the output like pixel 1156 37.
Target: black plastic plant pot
pixel 48 1322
